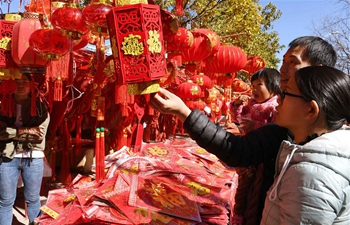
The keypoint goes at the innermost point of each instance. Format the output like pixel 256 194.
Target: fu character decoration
pixel 137 43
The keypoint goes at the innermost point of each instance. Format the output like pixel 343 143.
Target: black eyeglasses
pixel 284 93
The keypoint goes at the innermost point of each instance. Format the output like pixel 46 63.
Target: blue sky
pixel 296 20
pixel 298 17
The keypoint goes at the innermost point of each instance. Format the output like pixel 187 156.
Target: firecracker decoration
pixel 138 48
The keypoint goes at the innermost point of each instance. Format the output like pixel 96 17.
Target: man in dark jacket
pixel 260 145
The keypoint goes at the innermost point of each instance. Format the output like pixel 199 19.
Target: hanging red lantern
pixel 49 43
pixel 69 20
pixel 170 24
pixel 254 63
pixel 201 48
pixel 138 48
pixel 95 14
pixel 214 39
pixel 181 40
pixel 25 57
pixel 239 85
pixel 227 59
pixel 189 90
pixel 202 80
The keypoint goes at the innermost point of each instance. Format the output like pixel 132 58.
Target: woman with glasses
pixel 312 181
pixel 22 142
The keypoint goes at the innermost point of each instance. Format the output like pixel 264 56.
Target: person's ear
pixel 313 110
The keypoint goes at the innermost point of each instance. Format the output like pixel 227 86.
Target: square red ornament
pixel 137 44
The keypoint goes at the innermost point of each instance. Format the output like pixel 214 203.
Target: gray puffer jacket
pixel 312 182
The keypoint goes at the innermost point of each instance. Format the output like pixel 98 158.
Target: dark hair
pixel 271 77
pixel 317 50
pixel 329 87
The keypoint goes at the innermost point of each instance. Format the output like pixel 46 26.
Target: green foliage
pixel 243 23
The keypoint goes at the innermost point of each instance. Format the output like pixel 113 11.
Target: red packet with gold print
pixel 160 197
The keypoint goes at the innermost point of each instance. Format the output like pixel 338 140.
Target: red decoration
pixel 25 57
pixel 179 10
pixel 202 80
pixel 227 59
pixel 137 43
pixel 189 89
pixel 182 40
pixel 170 24
pixel 205 43
pixel 94 15
pixel 254 63
pixel 239 85
pixel 6 29
pixel 69 20
pixel 49 43
pixel 7 88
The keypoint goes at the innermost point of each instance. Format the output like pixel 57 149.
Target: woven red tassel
pixel 66 177
pixel 97 154
pixel 78 152
pixel 101 160
pixel 179 10
pixel 58 90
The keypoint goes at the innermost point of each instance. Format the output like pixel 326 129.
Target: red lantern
pixel 254 63
pixel 25 57
pixel 214 39
pixel 181 40
pixel 239 85
pixel 227 59
pixel 69 20
pixel 202 80
pixel 49 43
pixel 189 90
pixel 200 49
pixel 94 15
pixel 137 45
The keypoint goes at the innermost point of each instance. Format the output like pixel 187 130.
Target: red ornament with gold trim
pixel 189 89
pixel 8 68
pixel 95 14
pixel 69 20
pixel 254 63
pixel 138 47
pixel 49 43
pixel 25 57
pixel 227 59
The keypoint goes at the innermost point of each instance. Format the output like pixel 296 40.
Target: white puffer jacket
pixel 312 182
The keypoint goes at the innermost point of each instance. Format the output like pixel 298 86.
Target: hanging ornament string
pixel 70 102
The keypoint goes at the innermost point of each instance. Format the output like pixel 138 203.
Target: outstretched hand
pixel 168 103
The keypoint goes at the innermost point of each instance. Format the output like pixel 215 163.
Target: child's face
pixel 259 91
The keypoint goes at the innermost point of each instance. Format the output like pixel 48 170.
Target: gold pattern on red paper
pixel 131 45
